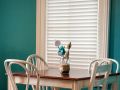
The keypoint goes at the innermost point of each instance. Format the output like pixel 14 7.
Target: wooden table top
pixel 74 74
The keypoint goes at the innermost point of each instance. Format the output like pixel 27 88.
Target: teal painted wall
pixel 114 38
pixel 17 32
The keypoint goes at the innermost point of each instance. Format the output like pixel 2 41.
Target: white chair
pixel 8 67
pixel 40 64
pixel 98 68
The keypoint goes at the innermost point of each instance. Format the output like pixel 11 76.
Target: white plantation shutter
pixel 75 21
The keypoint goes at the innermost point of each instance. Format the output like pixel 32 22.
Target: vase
pixel 64 68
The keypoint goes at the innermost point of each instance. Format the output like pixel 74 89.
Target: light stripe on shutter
pixel 75 21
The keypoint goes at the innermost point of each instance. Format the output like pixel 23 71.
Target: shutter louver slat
pixel 75 21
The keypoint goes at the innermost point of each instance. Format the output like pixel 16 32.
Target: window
pixel 83 22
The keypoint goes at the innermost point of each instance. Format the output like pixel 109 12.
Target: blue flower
pixel 61 50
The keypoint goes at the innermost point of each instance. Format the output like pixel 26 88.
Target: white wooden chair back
pixel 99 68
pixel 40 64
pixel 38 61
pixel 107 59
pixel 9 62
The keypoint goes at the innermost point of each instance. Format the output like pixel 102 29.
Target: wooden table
pixel 77 79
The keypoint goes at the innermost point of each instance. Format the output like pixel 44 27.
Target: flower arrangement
pixel 63 51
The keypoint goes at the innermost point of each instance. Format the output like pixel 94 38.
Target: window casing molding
pixel 103 26
pixel 41 27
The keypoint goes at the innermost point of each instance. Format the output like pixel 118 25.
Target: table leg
pixel 76 85
pixel 56 88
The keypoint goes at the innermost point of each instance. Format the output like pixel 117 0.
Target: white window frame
pixel 41 28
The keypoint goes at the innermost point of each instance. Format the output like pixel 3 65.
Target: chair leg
pixel 43 88
pixel 33 87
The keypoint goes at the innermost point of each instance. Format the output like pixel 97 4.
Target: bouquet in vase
pixel 63 52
